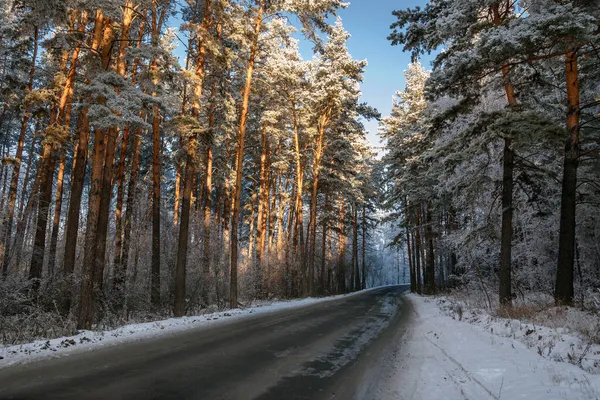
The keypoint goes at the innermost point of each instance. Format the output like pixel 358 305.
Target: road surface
pixel 339 349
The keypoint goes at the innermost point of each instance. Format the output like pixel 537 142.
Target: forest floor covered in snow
pixel 458 351
pixel 90 340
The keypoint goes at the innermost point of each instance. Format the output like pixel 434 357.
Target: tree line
pixel 492 163
pixel 135 181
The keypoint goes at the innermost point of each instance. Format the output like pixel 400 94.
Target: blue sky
pixel 368 21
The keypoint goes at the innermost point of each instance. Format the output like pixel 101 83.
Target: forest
pixel 137 183
pixel 166 158
pixel 493 161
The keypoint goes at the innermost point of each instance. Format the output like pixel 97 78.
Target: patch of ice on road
pixel 91 340
pixel 448 359
pixel 349 346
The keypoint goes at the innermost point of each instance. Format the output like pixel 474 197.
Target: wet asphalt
pixel 338 349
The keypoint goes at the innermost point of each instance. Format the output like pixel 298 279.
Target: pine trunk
pixel 91 264
pixel 363 247
pixel 418 250
pixel 505 291
pixel 263 205
pixel 324 246
pixel 14 180
pixel 323 122
pixel 120 179
pixel 121 273
pixel 47 165
pixel 208 186
pixel 156 148
pixel 563 292
pixel 356 273
pixel 57 214
pixel 341 268
pixel 239 160
pixel 413 276
pixel 72 224
pixel 189 179
pixel 430 258
pixel 298 233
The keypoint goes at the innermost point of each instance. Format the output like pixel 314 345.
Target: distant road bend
pixel 339 349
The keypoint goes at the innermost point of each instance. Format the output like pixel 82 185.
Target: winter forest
pixel 134 183
pixel 165 157
pixel 493 156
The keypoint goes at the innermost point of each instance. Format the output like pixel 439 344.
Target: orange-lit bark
pixel 239 158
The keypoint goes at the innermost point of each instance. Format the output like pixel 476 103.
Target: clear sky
pixel 368 21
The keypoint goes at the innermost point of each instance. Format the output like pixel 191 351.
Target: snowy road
pixel 337 349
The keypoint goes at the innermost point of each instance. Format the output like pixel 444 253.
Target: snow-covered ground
pixel 445 358
pixel 90 340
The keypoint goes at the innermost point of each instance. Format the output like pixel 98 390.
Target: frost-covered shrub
pixel 26 315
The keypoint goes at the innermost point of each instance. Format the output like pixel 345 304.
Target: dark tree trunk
pixel 430 259
pixel 564 292
pixel 356 273
pixel 57 214
pixel 45 197
pixel 72 224
pixel 507 214
pixel 363 247
pixel 14 180
pixel 155 273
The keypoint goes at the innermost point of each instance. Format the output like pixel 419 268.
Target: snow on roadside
pixel 559 341
pixel 90 340
pixel 450 359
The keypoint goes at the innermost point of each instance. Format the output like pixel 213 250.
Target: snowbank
pixel 90 340
pixel 563 334
pixel 452 359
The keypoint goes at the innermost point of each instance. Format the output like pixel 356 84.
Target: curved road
pixel 338 349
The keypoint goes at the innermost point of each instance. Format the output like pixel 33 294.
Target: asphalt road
pixel 339 349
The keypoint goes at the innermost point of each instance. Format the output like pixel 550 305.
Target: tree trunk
pixel 14 180
pixel 505 291
pixel 323 122
pixel 188 183
pixel 324 246
pixel 430 260
pixel 180 267
pixel 563 292
pixel 177 203
pixel 413 276
pixel 60 118
pixel 155 279
pixel 57 213
pixel 364 244
pixel 91 275
pixel 157 23
pixel 45 197
pixel 77 183
pixel 281 205
pixel 239 159
pixel 263 205
pixel 121 273
pixel 120 179
pixel 356 273
pixel 341 270
pixel 418 250
pixel 208 186
pixel 72 224
pixel 297 216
